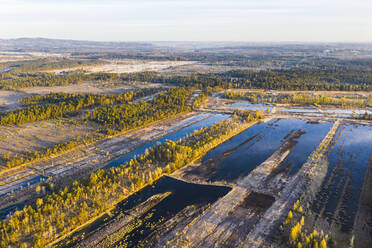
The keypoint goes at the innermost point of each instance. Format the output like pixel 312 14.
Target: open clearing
pixel 9 99
pixel 89 88
pixel 35 136
pixel 86 88
pixel 128 66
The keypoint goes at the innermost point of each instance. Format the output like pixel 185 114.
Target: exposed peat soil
pixel 140 231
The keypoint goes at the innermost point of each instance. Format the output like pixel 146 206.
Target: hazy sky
pixel 188 20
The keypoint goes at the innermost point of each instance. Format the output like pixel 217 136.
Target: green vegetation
pixel 77 99
pixel 297 235
pixel 136 114
pixel 57 105
pixel 16 81
pixel 61 211
pixel 47 64
pixel 293 79
pixel 199 100
pixel 302 79
pixel 303 99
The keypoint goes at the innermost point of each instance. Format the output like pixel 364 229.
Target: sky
pixel 189 20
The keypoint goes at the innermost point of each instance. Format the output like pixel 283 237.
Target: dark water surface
pixel 172 136
pixel 250 148
pixel 182 195
pixel 337 200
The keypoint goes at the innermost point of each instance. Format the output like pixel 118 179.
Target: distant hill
pixel 345 50
pixel 57 45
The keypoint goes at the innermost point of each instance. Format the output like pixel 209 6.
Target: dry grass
pixel 38 135
pixel 89 88
pixel 86 87
pixel 9 99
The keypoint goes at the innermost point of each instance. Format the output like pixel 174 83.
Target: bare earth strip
pixel 119 222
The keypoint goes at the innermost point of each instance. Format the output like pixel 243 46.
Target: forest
pixel 10 81
pixel 57 105
pixel 291 79
pixel 116 118
pixel 43 64
pixel 98 99
pixel 63 210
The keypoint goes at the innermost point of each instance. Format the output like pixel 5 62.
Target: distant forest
pixel 293 79
pixel 276 68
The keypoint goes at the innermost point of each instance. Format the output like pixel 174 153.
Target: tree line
pixel 98 99
pixel 261 97
pixel 9 81
pixel 78 101
pixel 290 79
pixel 47 64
